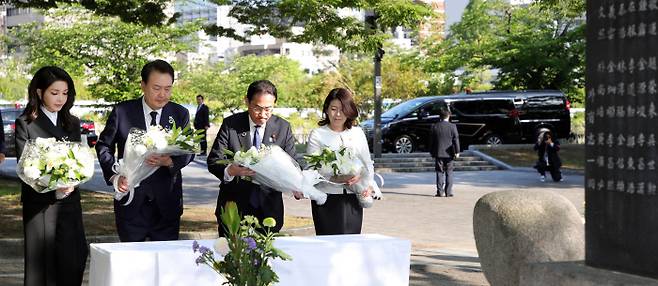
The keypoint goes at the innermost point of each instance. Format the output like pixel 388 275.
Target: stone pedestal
pixel 576 273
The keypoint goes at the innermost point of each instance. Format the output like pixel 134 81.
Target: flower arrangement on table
pixel 274 168
pixel 245 252
pixel 340 166
pixel 47 164
pixel 140 144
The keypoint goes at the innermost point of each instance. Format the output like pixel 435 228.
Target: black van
pixel 493 117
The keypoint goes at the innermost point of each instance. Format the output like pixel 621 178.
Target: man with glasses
pixel 255 127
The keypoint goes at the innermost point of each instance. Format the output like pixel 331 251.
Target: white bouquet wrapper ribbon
pixel 133 164
pixel 277 170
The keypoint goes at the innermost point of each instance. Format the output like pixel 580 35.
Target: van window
pixel 467 107
pixel 545 102
pixel 484 107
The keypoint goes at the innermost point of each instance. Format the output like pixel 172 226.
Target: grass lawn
pixel 572 156
pixel 98 214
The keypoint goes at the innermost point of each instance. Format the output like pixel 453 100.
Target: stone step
pixel 429 164
pixel 426 169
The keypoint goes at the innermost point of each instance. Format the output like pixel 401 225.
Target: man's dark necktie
pixel 153 120
pixel 256 142
pixel 254 198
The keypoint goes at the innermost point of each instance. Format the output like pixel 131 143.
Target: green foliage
pixel 14 79
pixel 539 46
pixel 248 248
pixel 106 52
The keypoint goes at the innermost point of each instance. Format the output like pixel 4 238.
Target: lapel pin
pixel 273 138
pixel 243 134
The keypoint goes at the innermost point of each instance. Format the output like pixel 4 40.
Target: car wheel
pixel 404 144
pixel 493 139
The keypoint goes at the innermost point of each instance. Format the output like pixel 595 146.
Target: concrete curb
pixel 492 160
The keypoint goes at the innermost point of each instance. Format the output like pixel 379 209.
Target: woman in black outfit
pixel 55 246
pixel 547 157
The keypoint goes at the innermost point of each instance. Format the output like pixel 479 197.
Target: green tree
pixel 14 79
pixel 106 52
pixel 539 46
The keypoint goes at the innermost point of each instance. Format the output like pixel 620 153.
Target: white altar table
pixel 337 260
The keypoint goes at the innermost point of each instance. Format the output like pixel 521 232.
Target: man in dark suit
pixel 444 148
pixel 202 122
pixel 157 205
pixel 241 131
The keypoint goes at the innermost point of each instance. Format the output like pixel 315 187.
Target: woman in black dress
pixel 55 246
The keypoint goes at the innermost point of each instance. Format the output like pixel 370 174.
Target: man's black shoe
pixel 450 195
pixel 438 195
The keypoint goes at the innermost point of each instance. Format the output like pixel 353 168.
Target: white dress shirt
pixel 354 138
pixel 51 115
pixel 252 129
pixel 147 113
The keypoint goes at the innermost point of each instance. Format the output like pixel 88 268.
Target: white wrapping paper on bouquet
pixel 274 168
pixel 346 164
pixel 47 165
pixel 141 144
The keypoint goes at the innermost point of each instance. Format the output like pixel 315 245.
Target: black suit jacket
pixel 2 135
pixel 444 140
pixel 166 183
pixel 553 157
pixel 202 117
pixel 42 127
pixel 234 136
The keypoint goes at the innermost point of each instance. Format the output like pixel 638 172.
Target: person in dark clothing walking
pixel 444 148
pixel 202 122
pixel 547 157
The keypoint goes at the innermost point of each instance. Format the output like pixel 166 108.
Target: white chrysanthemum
pixel 221 246
pixel 32 172
pixel 140 149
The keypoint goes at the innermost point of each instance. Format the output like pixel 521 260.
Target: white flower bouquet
pixel 276 169
pixel 140 144
pixel 47 165
pixel 341 165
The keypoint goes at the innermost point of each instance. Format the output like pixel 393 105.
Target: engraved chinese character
pixel 610 112
pixel 631 65
pixel 651 165
pixel 601 140
pixel 621 111
pixel 591 139
pixel 591 184
pixel 621 88
pixel 600 112
pixel 601 35
pixel 640 188
pixel 652 29
pixel 651 142
pixel 611 33
pixel 620 186
pixel 600 185
pixel 611 163
pixel 630 111
pixel 620 163
pixel 630 187
pixel 611 140
pixel 611 67
pixel 641 29
pixel 641 64
pixel 651 88
pixel 640 164
pixel 630 142
pixel 610 185
pixel 600 161
pixel 630 32
pixel 590 117
pixel 651 189
pixel 622 10
pixel 631 6
pixel 600 67
pixel 621 66
pixel 641 111
pixel 652 110
pixel 631 164
pixel 612 90
pixel 630 88
pixel 621 32
pixel 642 5
pixel 601 13
pixel 601 90
pixel 653 5
pixel 642 88
pixel 621 140
pixel 640 140
pixel 652 62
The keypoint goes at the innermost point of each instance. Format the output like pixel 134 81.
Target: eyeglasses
pixel 261 109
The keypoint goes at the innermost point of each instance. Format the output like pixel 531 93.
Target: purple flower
pixel 199 260
pixel 251 243
pixel 204 250
pixel 195 246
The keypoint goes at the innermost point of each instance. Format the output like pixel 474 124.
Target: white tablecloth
pixel 338 260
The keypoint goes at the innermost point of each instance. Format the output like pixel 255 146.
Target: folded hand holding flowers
pixel 344 165
pixel 48 165
pixel 274 168
pixel 141 144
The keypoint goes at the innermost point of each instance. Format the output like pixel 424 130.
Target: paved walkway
pixel 440 229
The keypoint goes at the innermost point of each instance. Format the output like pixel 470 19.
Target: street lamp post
pixel 377 138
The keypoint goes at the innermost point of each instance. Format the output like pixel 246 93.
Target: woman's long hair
pixel 42 79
